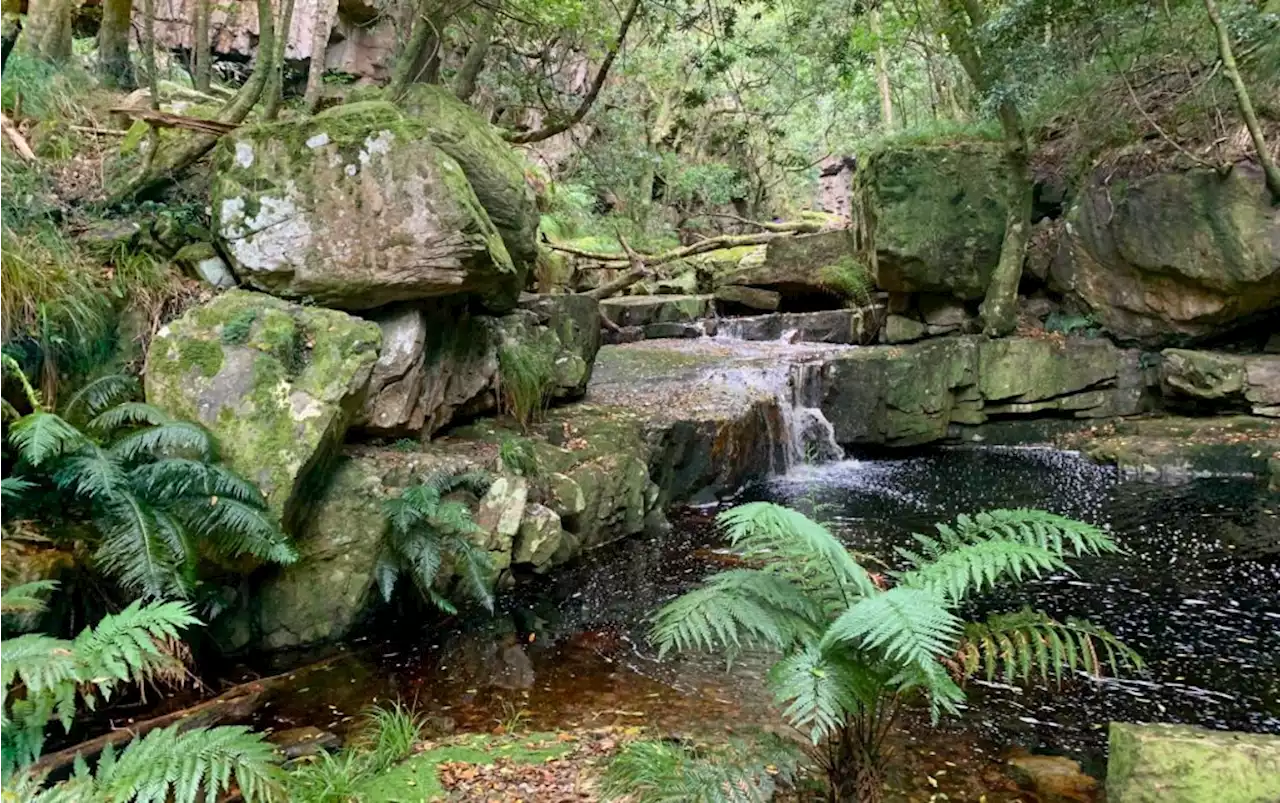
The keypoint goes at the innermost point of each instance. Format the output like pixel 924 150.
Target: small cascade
pixel 805 435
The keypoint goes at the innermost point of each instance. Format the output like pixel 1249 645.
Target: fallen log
pixel 724 241
pixel 161 119
pixel 639 271
pixel 235 704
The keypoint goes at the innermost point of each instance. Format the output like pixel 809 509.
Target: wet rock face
pixel 931 219
pixel 905 395
pixel 355 208
pixel 802 265
pixel 1173 256
pixel 277 384
pixel 1182 764
pixel 1210 379
pixel 440 363
pixel 1053 779
pixel 645 310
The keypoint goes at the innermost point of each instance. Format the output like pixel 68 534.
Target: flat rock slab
pixel 1182 764
pixel 1175 448
pixel 645 310
pixel 840 326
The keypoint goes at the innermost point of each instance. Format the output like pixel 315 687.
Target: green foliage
pixel 738 771
pixel 424 527
pixel 1067 324
pixel 849 647
pixel 518 456
pixel 390 734
pixel 152 486
pixel 236 330
pixel 406 445
pixel 42 90
pixel 387 737
pixel 527 379
pixel 848 279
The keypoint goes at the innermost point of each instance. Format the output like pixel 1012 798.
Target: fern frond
pixel 26 598
pixel 98 395
pixel 235 528
pixel 178 477
pixel 172 439
pixel 128 414
pixel 474 569
pixel 41 663
pixel 168 765
pixel 421 554
pixel 909 626
pixel 1040 528
pixel 795 543
pixel 1026 644
pixel 135 551
pixel 476 482
pixel 12 488
pixel 41 437
pixel 742 771
pixel 818 689
pixel 91 473
pixel 734 610
pixel 385 572
pixel 127 646
pixel 963 570
pixel 454 517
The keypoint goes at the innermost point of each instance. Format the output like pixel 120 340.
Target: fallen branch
pixel 795 226
pixel 235 704
pixel 724 241
pixel 19 141
pixel 638 272
pixel 161 119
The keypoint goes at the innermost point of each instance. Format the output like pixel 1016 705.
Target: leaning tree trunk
pixel 114 67
pixel 275 81
pixel 201 54
pixel 1269 169
pixel 1000 306
pixel 465 84
pixel 419 63
pixel 47 31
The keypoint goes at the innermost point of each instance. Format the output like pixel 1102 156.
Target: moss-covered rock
pixel 1183 764
pixel 802 265
pixel 277 383
pixel 1176 448
pixel 495 169
pixel 1221 380
pixel 1086 377
pixel 355 208
pixel 644 310
pixel 1172 256
pixel 931 218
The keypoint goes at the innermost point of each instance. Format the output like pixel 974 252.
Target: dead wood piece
pixel 724 241
pixel 168 120
pixel 15 136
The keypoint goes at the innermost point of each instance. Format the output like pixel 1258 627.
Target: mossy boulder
pixel 495 169
pixel 1172 257
pixel 1183 764
pixel 1213 379
pixel 355 208
pixel 645 310
pixel 1083 377
pixel 931 218
pixel 277 383
pixel 801 265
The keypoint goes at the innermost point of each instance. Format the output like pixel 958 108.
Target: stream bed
pixel 1197 593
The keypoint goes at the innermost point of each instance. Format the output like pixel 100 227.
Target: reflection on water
pixel 1198 594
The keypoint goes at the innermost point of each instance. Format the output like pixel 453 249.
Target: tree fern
pixel 158 499
pixel 851 651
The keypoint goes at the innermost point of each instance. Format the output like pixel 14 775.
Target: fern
pixel 26 598
pixel 850 650
pixel 1026 644
pixel 98 395
pixel 158 499
pixel 740 771
pixel 423 528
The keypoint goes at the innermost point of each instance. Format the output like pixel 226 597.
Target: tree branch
pixel 548 131
pixel 614 261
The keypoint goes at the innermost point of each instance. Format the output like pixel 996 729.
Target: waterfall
pixel 806 435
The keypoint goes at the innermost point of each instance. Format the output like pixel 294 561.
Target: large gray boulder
pixel 355 208
pixel 1182 764
pixel 931 218
pixel 277 383
pixel 1172 256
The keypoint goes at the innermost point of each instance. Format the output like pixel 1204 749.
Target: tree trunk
pixel 166 170
pixel 201 56
pixel 1000 306
pixel 420 61
pixel 855 772
pixel 882 71
pixel 114 67
pixel 1269 169
pixel 465 85
pixel 275 82
pixel 326 10
pixel 47 31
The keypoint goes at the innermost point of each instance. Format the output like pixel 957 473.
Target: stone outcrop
pixel 1177 448
pixel 904 395
pixel 1182 764
pixel 277 383
pixel 847 326
pixel 931 219
pixel 440 363
pixel 1212 379
pixel 1172 256
pixel 494 169
pixel 356 208
pixel 802 265
pixel 645 310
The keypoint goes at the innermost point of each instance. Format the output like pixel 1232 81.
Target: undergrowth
pixel 847 279
pixel 527 376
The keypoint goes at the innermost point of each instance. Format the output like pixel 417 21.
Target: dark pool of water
pixel 1198 594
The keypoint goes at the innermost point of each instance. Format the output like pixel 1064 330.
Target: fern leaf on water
pixel 1040 528
pixel 42 437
